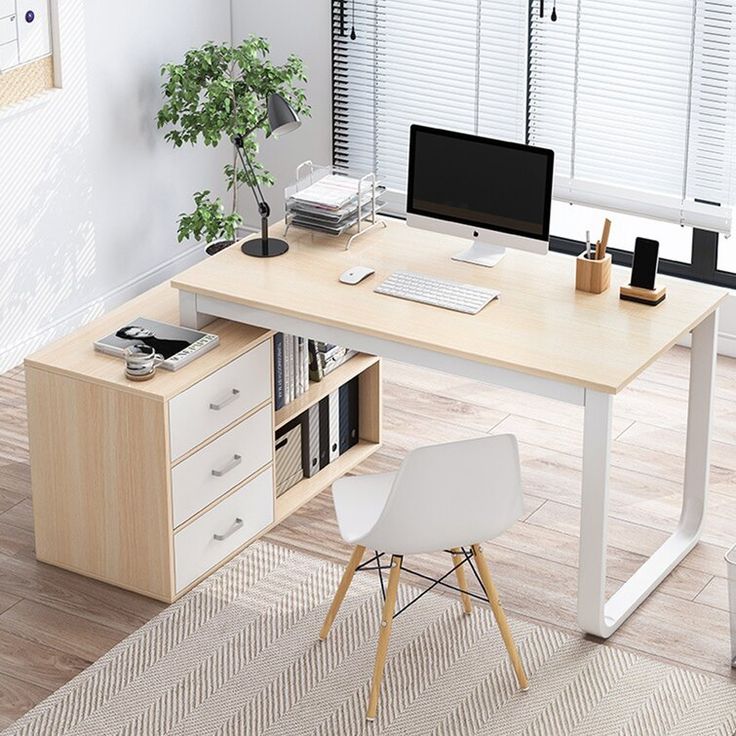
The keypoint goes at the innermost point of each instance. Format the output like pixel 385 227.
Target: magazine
pixel 176 345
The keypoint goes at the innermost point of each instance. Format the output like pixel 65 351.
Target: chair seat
pixel 359 501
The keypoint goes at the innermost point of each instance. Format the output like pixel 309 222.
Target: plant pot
pixel 216 246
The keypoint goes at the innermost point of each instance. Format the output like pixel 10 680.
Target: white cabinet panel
pixel 8 31
pixel 221 465
pixel 222 397
pixel 210 539
pixel 8 55
pixel 7 7
pixel 34 29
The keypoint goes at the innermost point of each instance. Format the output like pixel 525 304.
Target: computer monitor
pixel 495 192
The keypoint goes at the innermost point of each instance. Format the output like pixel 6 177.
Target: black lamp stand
pixel 263 247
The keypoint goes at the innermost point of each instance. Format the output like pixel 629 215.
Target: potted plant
pixel 220 92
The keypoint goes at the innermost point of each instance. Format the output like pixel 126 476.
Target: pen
pixel 587 243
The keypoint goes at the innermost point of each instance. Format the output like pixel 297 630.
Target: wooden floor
pixel 54 623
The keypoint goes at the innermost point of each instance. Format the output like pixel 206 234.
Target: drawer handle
pixel 230 398
pixel 237 459
pixel 237 525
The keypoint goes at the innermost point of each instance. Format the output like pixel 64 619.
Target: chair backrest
pixel 452 495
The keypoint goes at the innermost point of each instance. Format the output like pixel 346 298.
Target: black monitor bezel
pixel 414 129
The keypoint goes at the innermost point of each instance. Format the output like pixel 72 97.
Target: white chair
pixel 443 497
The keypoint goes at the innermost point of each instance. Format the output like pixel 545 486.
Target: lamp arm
pixel 247 165
pixel 263 209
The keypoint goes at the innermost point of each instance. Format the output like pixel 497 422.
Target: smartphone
pixel 646 259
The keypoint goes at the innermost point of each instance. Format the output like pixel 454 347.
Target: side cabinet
pixel 151 486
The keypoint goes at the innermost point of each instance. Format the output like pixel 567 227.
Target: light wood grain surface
pixel 101 487
pixel 53 616
pixel 541 325
pixel 75 355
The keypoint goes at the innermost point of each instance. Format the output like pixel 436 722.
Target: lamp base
pixel 272 247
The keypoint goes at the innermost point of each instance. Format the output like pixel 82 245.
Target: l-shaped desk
pixel 541 336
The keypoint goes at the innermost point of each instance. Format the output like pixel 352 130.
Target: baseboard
pixel 13 355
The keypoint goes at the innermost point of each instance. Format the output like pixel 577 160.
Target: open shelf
pixel 319 389
pixel 305 490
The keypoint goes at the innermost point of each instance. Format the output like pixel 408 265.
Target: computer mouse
pixel 355 274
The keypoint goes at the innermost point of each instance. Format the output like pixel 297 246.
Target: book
pixel 325 357
pixel 278 369
pixel 349 403
pixel 312 441
pixel 324 432
pixel 176 345
pixel 288 368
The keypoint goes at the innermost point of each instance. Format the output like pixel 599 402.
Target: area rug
pixel 240 655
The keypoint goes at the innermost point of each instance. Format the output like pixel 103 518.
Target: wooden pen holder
pixel 591 275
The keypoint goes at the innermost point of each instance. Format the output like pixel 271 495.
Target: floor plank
pixel 20 515
pixel 18 697
pixel 37 664
pixel 43 625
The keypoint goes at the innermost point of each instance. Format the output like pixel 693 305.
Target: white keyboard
pixel 447 294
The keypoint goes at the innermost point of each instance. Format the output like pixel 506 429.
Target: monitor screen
pixel 480 181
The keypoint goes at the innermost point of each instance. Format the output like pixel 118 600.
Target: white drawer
pixel 8 29
pixel 235 520
pixel 221 465
pixel 219 399
pixel 7 7
pixel 8 55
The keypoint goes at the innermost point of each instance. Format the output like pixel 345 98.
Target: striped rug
pixel 240 655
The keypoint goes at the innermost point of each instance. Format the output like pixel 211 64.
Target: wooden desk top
pixel 540 325
pixel 75 356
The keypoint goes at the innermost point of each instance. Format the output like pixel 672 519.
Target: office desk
pixel 541 336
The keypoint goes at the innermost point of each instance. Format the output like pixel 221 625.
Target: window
pixel 636 97
pixel 460 65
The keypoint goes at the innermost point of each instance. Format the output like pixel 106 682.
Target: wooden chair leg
pixel 457 558
pixel 386 621
pixel 342 589
pixel 500 616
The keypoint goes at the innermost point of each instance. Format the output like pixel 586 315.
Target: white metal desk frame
pixel 595 614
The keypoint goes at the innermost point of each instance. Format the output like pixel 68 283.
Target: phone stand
pixel 652 297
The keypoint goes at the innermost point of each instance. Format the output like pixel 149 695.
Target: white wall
pixel 301 28
pixel 89 190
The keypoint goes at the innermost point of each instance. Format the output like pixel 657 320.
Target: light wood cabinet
pixel 151 486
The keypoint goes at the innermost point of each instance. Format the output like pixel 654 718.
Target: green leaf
pixel 217 92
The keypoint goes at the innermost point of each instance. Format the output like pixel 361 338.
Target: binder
pixel 324 432
pixel 288 349
pixel 278 368
pixel 349 403
pixel 311 431
pixel 334 424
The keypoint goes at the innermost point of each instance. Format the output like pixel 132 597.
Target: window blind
pixel 460 65
pixel 636 97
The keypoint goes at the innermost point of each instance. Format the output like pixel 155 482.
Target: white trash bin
pixel 731 562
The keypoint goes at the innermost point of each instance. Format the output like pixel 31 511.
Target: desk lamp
pixel 281 120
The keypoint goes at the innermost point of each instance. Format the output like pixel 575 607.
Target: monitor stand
pixel 482 254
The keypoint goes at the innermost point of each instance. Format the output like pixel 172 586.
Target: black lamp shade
pixel 281 116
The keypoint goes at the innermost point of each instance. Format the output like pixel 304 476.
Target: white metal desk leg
pixel 594 510
pixel 594 614
pixel 703 357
